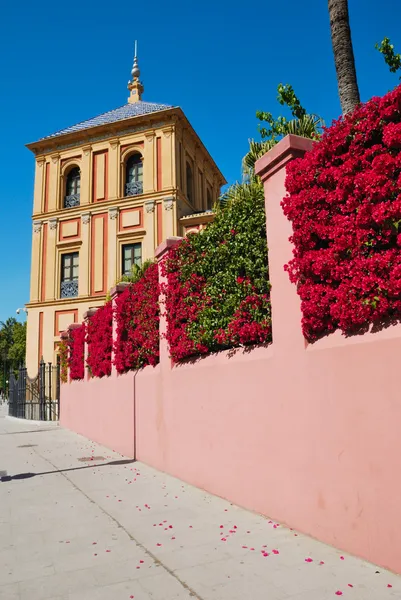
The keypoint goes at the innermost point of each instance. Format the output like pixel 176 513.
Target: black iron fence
pixel 38 398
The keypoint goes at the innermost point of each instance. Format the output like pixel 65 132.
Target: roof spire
pixel 135 86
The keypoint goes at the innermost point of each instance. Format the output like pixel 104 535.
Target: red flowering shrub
pixel 217 292
pixel 63 353
pixel 344 201
pixel 137 316
pixel 99 337
pixel 76 347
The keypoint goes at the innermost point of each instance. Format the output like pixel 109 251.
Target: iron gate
pixel 38 398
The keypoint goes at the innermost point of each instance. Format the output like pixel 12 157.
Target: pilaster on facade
pixel 149 158
pixel 169 217
pixel 86 175
pixel 149 225
pixel 39 184
pixel 35 270
pixel 84 254
pixel 167 156
pixel 49 281
pixel 52 201
pixel 112 247
pixel 114 168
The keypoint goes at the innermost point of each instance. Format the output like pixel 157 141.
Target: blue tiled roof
pixel 118 114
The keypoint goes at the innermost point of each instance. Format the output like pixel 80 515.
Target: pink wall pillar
pixel 69 329
pixel 286 313
pixel 161 254
pixel 114 293
pixel 87 315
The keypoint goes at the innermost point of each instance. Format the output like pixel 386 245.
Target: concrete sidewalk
pixel 79 522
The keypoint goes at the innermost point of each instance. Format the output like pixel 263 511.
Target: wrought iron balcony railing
pixel 71 201
pixel 134 188
pixel 69 289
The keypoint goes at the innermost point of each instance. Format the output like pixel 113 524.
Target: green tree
pixel 12 347
pixel 272 130
pixel 391 58
pixel 343 55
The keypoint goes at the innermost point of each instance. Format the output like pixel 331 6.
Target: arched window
pixel 190 183
pixel 72 188
pixel 134 175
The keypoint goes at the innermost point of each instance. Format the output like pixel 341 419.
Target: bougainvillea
pixel 344 201
pixel 63 354
pixel 76 349
pixel 137 321
pixel 99 337
pixel 217 292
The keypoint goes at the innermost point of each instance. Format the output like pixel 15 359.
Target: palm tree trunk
pixel 343 55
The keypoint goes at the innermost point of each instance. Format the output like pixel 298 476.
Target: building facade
pixel 107 192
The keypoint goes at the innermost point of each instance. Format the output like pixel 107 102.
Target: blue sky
pixel 220 61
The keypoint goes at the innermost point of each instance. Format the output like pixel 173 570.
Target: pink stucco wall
pixel 307 434
pixel 102 410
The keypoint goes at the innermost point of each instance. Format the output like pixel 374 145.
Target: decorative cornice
pixel 94 138
pixel 37 226
pixel 167 131
pixel 150 206
pixel 168 202
pixel 113 213
pixel 67 302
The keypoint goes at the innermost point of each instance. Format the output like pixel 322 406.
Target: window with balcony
pixel 131 255
pixel 134 175
pixel 72 188
pixel 69 275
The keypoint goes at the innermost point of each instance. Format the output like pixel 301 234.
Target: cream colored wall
pixel 200 162
pixel 49 337
pixel 91 251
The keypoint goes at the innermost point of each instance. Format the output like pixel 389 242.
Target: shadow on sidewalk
pixel 6 478
pixel 31 431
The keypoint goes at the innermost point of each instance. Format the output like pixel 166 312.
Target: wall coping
pixel 162 248
pixel 89 313
pixel 119 288
pixel 290 147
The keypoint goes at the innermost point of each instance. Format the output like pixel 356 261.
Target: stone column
pixel 112 247
pixel 84 255
pixel 286 305
pixel 161 254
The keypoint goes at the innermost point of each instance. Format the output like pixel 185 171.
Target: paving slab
pixel 80 522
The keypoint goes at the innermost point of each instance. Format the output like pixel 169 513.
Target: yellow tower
pixel 107 192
